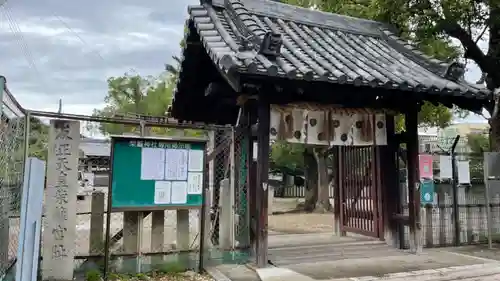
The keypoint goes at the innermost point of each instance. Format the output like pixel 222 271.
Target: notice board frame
pixel 115 139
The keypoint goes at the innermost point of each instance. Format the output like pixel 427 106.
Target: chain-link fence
pixel 447 221
pixel 139 241
pixel 12 153
pixel 229 229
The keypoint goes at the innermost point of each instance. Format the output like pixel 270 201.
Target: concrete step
pixel 330 252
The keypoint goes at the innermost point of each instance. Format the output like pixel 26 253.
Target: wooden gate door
pixel 360 191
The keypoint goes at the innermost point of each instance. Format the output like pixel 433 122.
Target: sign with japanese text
pixel 156 172
pixel 425 166
pixel 60 199
pixel 427 192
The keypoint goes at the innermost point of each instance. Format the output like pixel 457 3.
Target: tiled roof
pixel 95 147
pixel 319 46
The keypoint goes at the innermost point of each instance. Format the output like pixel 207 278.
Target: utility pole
pixel 60 107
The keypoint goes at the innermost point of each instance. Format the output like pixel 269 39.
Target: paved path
pixel 306 257
pixel 480 272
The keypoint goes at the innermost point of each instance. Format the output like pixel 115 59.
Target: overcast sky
pixel 76 45
pixel 54 49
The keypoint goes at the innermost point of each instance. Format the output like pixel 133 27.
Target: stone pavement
pixel 479 272
pixel 307 257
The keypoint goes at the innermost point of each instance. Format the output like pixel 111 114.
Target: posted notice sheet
pixel 195 182
pixel 196 160
pixel 152 163
pixel 176 164
pixel 179 192
pixel 163 192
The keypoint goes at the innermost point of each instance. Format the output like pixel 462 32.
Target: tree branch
pixel 486 63
pixel 454 30
pixel 481 34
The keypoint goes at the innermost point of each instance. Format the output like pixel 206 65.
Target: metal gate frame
pixel 360 207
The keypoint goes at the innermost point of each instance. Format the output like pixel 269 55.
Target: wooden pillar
pixel 252 183
pixel 157 236
pixel 411 124
pixel 96 245
pixel 263 115
pixel 183 236
pixel 390 184
pixel 336 192
pixel 132 228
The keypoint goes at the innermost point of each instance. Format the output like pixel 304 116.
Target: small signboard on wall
pixel 156 173
pixel 463 172
pixel 426 191
pixel 425 166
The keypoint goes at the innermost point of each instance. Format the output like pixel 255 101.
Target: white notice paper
pixel 195 183
pixel 152 163
pixel 176 162
pixel 163 191
pixel 445 167
pixel 196 160
pixel 463 172
pixel 179 192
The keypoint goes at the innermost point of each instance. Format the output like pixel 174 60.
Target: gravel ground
pixel 301 223
pixel 284 221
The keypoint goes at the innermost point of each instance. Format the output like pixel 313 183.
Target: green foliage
pixel 38 138
pixel 13 140
pixel 115 277
pixel 93 275
pixel 134 94
pixel 478 143
pixel 170 268
pixel 141 276
pixel 287 156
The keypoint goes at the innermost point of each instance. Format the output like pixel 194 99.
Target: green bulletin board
pixel 151 173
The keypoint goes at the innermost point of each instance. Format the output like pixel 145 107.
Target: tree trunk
pixel 317 195
pixel 495 133
pixel 323 203
pixel 311 186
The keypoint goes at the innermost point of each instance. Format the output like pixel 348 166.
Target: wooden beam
pixel 219 90
pixel 251 179
pixel 390 193
pixel 411 123
pixel 262 192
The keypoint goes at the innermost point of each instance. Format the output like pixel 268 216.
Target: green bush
pixel 93 275
pixel 170 268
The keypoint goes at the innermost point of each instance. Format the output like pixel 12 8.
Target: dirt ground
pixel 286 220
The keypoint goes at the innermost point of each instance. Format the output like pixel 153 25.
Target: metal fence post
pixel 454 182
pixel 4 200
pixel 487 198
